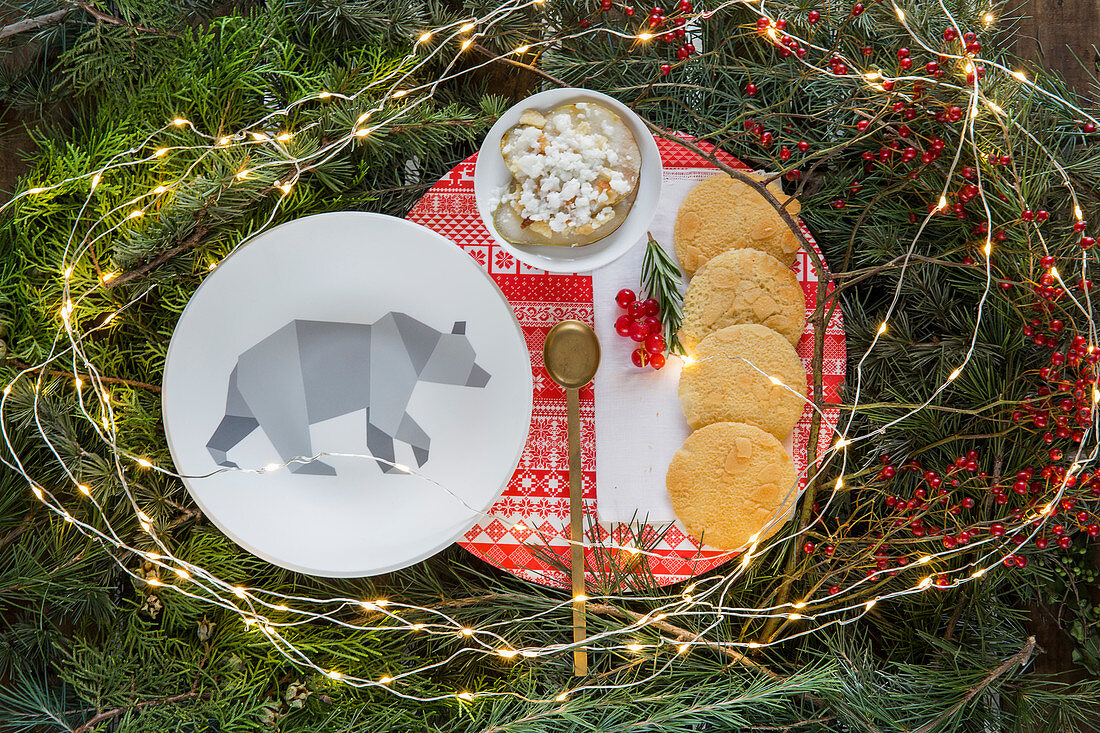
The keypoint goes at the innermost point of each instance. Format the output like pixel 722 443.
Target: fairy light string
pixel 264 610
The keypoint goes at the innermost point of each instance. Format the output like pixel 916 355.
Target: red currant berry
pixel 656 360
pixel 857 9
pixel 638 332
pixel 625 297
pixel 1088 127
pixel 1065 541
pixel 808 547
pixel 1041 543
pixel 833 589
pixel 639 358
pixel 652 308
pixel 665 69
pixel 654 343
pixel 997 530
pixel 623 324
pixel 652 325
pixel 803 146
pixel 629 10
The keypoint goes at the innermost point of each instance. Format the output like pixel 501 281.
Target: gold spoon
pixel 571 354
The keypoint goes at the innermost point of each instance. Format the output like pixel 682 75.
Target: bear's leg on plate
pixel 237 424
pixel 380 444
pixel 230 431
pixel 411 433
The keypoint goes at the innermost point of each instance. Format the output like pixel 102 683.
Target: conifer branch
pixel 1019 658
pixel 115 712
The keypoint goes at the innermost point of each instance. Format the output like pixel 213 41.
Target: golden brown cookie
pixel 729 481
pixel 743 286
pixel 723 213
pixel 721 387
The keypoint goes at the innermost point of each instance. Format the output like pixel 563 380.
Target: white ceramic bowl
pixel 491 177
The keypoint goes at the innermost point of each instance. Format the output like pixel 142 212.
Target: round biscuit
pixel 721 385
pixel 730 481
pixel 723 213
pixel 743 286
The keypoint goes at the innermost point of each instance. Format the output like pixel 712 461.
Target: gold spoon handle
pixel 576 528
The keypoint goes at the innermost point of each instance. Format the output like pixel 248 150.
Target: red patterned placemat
pixel 538 493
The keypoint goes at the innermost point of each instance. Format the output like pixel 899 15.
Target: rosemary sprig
pixel 661 280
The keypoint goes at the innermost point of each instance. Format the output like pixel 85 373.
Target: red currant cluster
pixel 642 324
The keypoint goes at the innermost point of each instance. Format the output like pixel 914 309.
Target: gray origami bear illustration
pixel 309 371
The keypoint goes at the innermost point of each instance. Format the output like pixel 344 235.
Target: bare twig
pixel 48 19
pixel 24 366
pixel 33 24
pixel 103 17
pixel 115 712
pixel 190 242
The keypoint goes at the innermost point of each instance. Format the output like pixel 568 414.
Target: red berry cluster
pixel 641 323
pixel 785 45
pixel 1029 484
pixel 675 33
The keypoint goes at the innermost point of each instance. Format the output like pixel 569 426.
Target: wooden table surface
pixel 1059 34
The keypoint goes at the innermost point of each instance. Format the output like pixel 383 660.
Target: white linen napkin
pixel 639 422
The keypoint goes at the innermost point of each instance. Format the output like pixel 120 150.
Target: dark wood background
pixel 1062 35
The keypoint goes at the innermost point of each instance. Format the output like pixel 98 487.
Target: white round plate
pixel 287 345
pixel 491 178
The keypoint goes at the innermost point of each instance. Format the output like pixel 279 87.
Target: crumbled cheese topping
pixel 564 172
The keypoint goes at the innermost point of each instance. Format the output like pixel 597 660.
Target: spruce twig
pixel 1019 658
